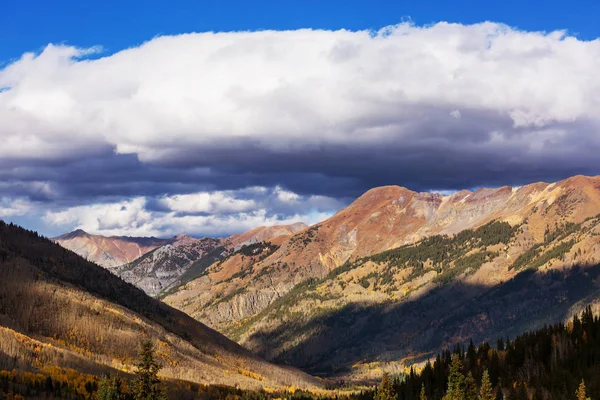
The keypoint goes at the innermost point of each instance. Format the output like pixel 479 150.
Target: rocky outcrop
pixel 161 269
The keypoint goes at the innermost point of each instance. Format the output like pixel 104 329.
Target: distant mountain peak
pixel 109 251
pixel 77 233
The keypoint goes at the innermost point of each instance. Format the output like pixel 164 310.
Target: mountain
pixel 158 265
pixel 273 234
pixel 398 274
pixel 109 252
pixel 59 312
pixel 160 269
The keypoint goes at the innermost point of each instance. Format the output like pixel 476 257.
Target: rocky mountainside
pixel 163 268
pixel 159 265
pixel 398 274
pixel 59 310
pixel 109 252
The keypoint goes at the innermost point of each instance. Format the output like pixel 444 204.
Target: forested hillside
pixel 60 313
pixel 557 362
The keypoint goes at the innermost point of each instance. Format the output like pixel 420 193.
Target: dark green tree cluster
pixel 546 364
pixel 111 388
pixel 146 385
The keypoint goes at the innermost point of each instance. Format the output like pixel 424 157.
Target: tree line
pixel 560 361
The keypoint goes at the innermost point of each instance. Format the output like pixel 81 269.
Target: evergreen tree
pixel 494 369
pixel 111 388
pixel 500 344
pixel 485 393
pixel 147 386
pixel 386 390
pixel 499 394
pixel 471 355
pixel 423 395
pixel 581 395
pixel 470 387
pixel 456 380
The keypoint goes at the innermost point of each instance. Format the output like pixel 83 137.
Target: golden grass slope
pixel 57 309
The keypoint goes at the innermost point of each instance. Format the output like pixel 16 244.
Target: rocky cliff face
pixel 285 304
pixel 161 269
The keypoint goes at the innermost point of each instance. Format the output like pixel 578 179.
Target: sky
pixel 211 118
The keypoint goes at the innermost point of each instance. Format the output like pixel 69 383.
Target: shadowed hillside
pixel 417 328
pixel 56 309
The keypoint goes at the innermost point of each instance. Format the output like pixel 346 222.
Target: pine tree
pixel 470 388
pixel 485 393
pixel 471 355
pixel 147 386
pixel 500 344
pixel 111 388
pixel 494 369
pixel 581 394
pixel 456 380
pixel 499 394
pixel 423 395
pixel 386 390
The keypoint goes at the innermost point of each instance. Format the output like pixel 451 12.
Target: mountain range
pixel 391 278
pixel 157 265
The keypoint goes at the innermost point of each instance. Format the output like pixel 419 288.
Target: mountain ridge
pixel 237 298
pixel 157 265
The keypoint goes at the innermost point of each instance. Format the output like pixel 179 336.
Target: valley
pixel 381 286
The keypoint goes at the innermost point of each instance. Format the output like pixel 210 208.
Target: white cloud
pixel 288 90
pixel 315 111
pixel 207 202
pixel 121 218
pixel 455 114
pixel 14 207
pixel 228 212
pixel 285 196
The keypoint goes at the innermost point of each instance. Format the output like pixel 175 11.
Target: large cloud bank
pixel 183 119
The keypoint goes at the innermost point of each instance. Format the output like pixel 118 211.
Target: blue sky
pixel 27 25
pixel 168 129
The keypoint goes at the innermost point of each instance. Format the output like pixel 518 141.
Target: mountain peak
pixel 182 238
pixel 77 233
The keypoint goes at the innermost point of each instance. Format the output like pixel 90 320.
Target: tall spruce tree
pixel 485 393
pixel 147 386
pixel 499 394
pixel 456 380
pixel 470 387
